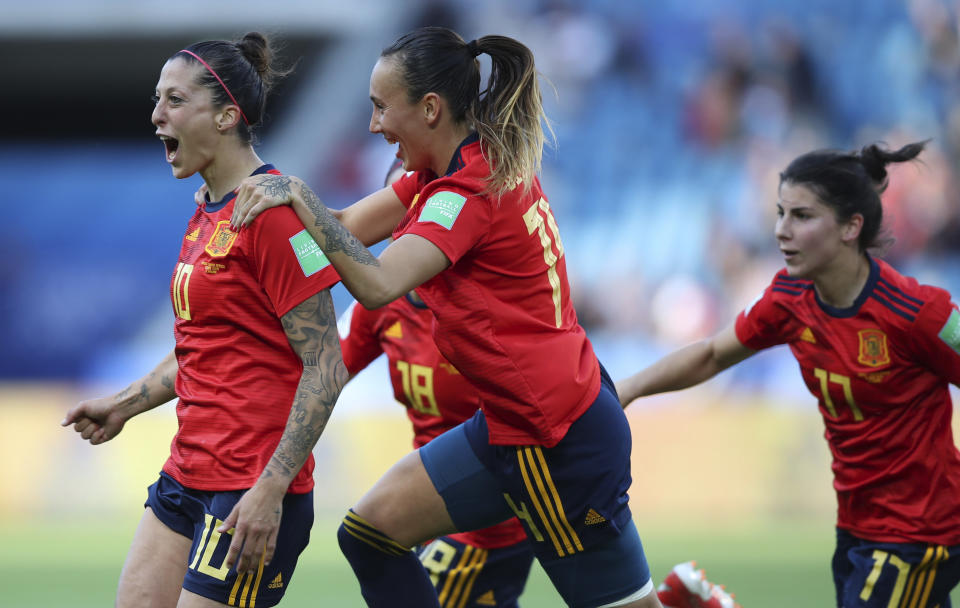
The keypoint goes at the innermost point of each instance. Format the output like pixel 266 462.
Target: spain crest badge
pixel 222 240
pixel 873 348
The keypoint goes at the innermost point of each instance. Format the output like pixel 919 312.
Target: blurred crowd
pixel 672 122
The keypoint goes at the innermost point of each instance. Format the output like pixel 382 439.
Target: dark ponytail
pixel 875 160
pixel 851 183
pixel 508 115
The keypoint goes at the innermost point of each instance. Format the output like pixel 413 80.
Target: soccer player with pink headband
pixel 256 366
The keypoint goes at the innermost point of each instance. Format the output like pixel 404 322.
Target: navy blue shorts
pixel 197 515
pixel 869 574
pixel 571 498
pixel 466 576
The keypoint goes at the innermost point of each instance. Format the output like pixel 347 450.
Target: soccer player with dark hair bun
pixel 256 366
pixel 878 350
pixel 475 235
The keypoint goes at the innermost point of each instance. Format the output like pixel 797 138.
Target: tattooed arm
pixel 371 219
pixel 404 264
pixel 100 420
pixel 311 328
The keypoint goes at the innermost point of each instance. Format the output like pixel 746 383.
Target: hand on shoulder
pixel 258 193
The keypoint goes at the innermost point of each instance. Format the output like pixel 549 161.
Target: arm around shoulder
pixel 371 219
pixel 371 282
pixel 374 217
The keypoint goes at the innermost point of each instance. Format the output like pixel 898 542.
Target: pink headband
pixel 229 94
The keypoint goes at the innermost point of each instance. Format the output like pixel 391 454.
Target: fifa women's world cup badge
pixel 222 240
pixel 873 348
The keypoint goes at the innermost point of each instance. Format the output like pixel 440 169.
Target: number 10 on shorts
pixel 206 547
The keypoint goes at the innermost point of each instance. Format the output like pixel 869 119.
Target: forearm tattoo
pixel 142 395
pixel 311 329
pixel 335 236
pixel 156 388
pixel 277 186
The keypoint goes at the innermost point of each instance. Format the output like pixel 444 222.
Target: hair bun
pixel 874 160
pixel 256 50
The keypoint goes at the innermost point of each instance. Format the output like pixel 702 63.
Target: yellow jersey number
pixel 181 281
pixel 879 559
pixel 536 223
pixel 826 379
pixel 436 559
pixel 417 383
pixel 913 584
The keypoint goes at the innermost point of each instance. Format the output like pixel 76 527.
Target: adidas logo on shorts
pixel 593 518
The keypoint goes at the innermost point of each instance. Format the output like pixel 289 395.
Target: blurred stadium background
pixel 672 121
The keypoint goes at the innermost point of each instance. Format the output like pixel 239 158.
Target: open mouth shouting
pixel 171 145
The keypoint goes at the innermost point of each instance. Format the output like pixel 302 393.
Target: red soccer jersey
pixel 436 396
pixel 880 370
pixel 237 371
pixel 503 311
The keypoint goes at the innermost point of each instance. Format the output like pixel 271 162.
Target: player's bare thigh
pixel 404 505
pixel 155 566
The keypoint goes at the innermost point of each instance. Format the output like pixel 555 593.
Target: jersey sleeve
pixel 359 337
pixel 762 323
pixel 290 266
pixel 452 220
pixel 937 336
pixel 407 187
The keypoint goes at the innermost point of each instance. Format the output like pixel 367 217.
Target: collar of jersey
pixel 854 308
pixel 217 206
pixel 457 163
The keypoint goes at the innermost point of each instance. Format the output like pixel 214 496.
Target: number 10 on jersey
pixel 181 281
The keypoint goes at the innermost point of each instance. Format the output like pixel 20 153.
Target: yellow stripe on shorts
pixel 536 502
pixel 246 599
pixel 546 500
pixel 915 580
pixel 940 557
pixel 556 498
pixel 478 563
pixel 459 579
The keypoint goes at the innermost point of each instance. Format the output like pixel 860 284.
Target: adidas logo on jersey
pixel 276 583
pixel 194 235
pixel 487 599
pixel 394 331
pixel 807 336
pixel 593 518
